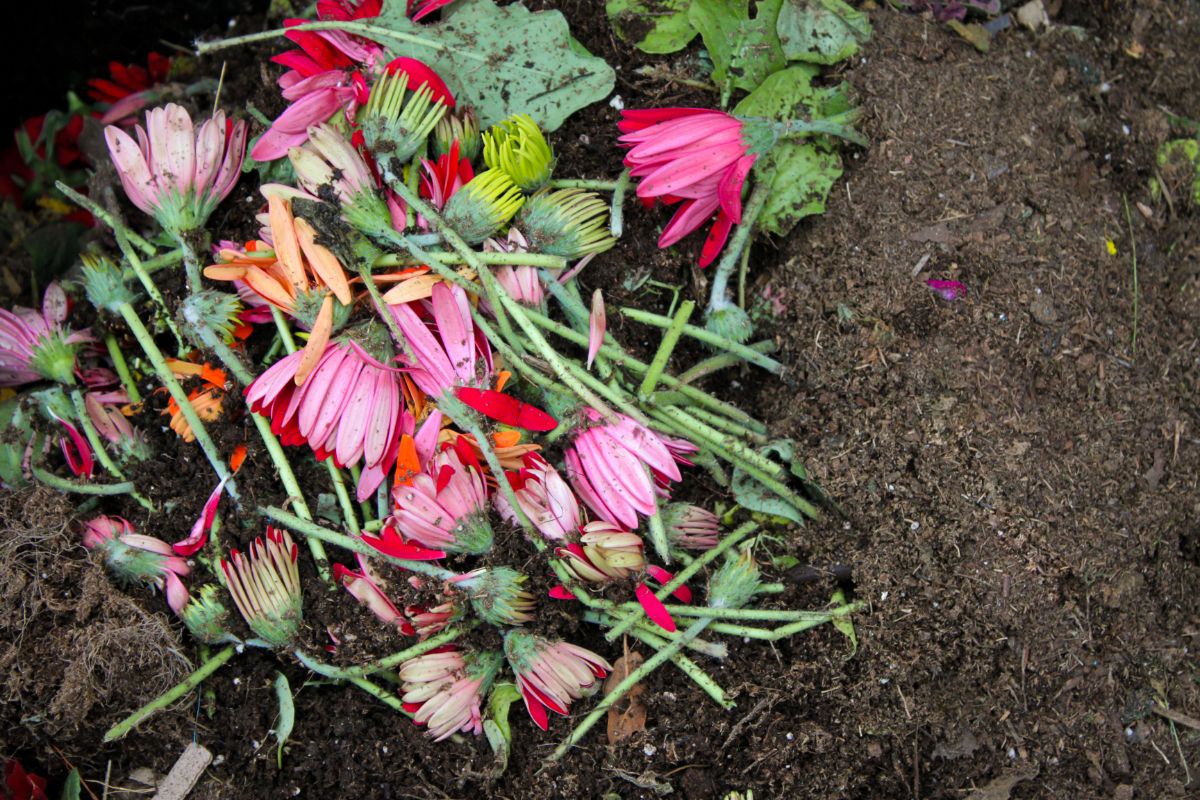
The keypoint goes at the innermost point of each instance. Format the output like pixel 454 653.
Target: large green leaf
pixel 800 172
pixel 821 31
pixel 652 26
pixel 502 61
pixel 744 51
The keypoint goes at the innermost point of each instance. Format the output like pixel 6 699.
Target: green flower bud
pixel 568 222
pixel 488 201
pixel 461 126
pixel 517 147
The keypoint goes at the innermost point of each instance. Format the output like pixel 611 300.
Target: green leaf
pixel 821 31
pixel 800 173
pixel 287 714
pixel 652 26
pixel 845 625
pixel 744 51
pixel 73 786
pixel 496 727
pixel 752 495
pixel 501 60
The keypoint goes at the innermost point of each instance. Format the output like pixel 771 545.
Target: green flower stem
pixel 170 696
pixel 615 396
pixel 153 265
pixel 242 374
pixel 313 530
pixel 684 575
pixel 191 264
pixel 584 183
pixel 790 629
pixel 388 662
pixel 149 285
pixel 706 336
pixel 185 405
pixel 616 213
pixel 66 485
pixel 373 32
pixel 364 506
pixel 743 270
pixel 541 260
pixel 620 358
pixel 685 664
pixel 766 614
pixel 108 219
pixel 771 588
pixel 719 293
pixel 658 532
pixel 119 363
pixel 383 695
pixel 93 437
pixel 630 680
pixel 722 361
pixel 675 329
pixel 726 425
pixel 285 333
pixel 716 650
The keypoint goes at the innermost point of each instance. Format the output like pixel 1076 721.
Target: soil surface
pixel 1019 481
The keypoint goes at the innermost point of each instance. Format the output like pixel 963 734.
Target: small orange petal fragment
pixel 315 347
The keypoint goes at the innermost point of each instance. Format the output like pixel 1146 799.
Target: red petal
pixel 654 608
pixel 506 409
pixel 537 712
pixel 683 593
pixel 561 593
pixel 396 547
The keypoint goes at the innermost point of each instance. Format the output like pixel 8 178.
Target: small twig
pixel 170 696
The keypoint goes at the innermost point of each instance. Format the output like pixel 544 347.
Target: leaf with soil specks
pixel 652 26
pixel 496 727
pixel 287 714
pixel 821 31
pixel 744 51
pixel 752 495
pixel 628 715
pixel 501 60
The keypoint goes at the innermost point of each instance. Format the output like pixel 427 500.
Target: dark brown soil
pixel 1019 482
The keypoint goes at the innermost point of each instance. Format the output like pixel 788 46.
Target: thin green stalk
pixel 153 265
pixel 363 505
pixel 630 680
pixel 170 696
pixel 683 575
pixel 666 347
pixel 718 294
pixel 743 269
pixel 717 650
pixel 541 260
pixel 191 264
pixel 685 664
pixel 373 32
pixel 93 437
pixel 727 425
pixel 66 485
pixel 176 391
pixel 387 662
pixel 381 694
pixel 708 337
pixel 149 285
pixel 584 183
pixel 616 212
pixel 119 363
pixel 108 219
pixel 764 614
pixel 343 496
pixel 1134 264
pixel 748 632
pixel 722 361
pixel 313 530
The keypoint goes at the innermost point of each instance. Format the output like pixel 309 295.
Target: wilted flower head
pixel 175 173
pixel 691 527
pixel 496 595
pixel 521 282
pixel 396 122
pixel 205 616
pixel 735 583
pixel 544 496
pixel 517 147
pixel 441 178
pixel 446 506
pixel 453 353
pixel 607 464
pixel 566 222
pixel 605 552
pixel 462 127
pixel 35 345
pixel 444 689
pixel 265 586
pixel 551 674
pixel 329 167
pixel 488 201
pixel 135 558
pixel 693 156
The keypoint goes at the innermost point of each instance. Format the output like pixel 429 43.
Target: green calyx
pixel 206 617
pixel 566 222
pixel 132 564
pixel 218 311
pixel 735 583
pixel 308 306
pixel 472 535
pixel 53 358
pixel 488 201
pixel 104 285
pixel 517 147
pixel 730 322
pixel 497 596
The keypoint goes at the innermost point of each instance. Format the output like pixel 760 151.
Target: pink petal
pixel 199 535
pixel 561 593
pixel 654 608
pixel 597 325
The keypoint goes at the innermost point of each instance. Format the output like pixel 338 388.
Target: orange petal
pixel 287 250
pixel 418 288
pixel 324 262
pixel 268 288
pixel 238 458
pixel 502 378
pixel 225 272
pixel 408 465
pixel 213 376
pixel 183 369
pixel 315 347
pixel 506 438
pixel 402 275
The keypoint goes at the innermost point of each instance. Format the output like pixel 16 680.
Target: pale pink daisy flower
pixel 453 353
pixel 35 346
pixel 691 527
pixel 175 172
pixel 521 282
pixel 552 674
pixel 443 690
pixel 135 558
pixel 445 507
pixel 693 156
pixel 544 496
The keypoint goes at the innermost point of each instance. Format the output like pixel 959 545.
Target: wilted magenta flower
pixel 75 449
pixel 34 345
pixel 444 689
pixel 365 587
pixel 175 173
pixel 544 496
pixel 691 527
pixel 446 506
pixel 135 558
pixel 947 290
pixel 350 407
pixel 550 675
pixel 607 465
pixel 694 155
pixel 453 353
